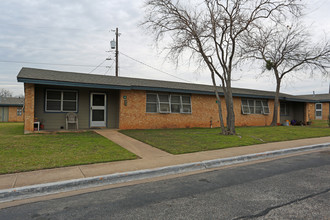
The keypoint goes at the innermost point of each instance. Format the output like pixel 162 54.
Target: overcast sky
pixel 74 36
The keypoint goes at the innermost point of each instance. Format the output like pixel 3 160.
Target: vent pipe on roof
pixel 313 93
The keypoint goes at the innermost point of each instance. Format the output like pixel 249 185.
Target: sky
pixel 75 36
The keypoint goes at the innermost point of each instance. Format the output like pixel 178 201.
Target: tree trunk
pixel 230 110
pixel 276 100
pixel 222 125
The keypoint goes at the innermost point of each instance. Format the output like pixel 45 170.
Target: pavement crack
pixel 266 211
pixel 82 172
pixel 15 180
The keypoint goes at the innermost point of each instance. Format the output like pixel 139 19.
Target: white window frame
pixel 157 106
pixel 169 103
pixel 176 103
pixel 19 111
pixel 318 110
pixel 265 108
pixel 185 104
pixel 246 108
pixel 62 100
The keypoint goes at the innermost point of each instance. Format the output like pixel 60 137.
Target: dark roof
pixel 9 101
pixel 51 77
pixel 317 97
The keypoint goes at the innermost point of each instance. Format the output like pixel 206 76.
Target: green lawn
pixel 19 152
pixel 180 141
pixel 320 123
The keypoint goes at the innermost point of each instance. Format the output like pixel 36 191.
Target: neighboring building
pixel 11 109
pixel 319 109
pixel 130 103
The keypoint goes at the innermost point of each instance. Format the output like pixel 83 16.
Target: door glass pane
pixel 318 113
pixel 98 115
pixel 98 100
pixel 318 106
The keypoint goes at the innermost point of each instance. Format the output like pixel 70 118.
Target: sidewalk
pixel 150 158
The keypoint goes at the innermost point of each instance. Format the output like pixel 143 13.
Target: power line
pixel 109 67
pixel 152 67
pixel 98 66
pixel 53 27
pixel 55 64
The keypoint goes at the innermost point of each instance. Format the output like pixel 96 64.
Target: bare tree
pixel 5 93
pixel 211 31
pixel 287 49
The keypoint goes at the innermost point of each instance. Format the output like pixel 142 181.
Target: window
pixel 175 103
pixel 19 111
pixel 61 101
pixel 284 110
pixel 318 110
pixel 164 103
pixel 186 104
pixel 152 103
pixel 168 103
pixel 255 106
pixel 265 107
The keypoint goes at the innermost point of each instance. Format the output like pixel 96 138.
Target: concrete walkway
pixel 139 148
pixel 150 158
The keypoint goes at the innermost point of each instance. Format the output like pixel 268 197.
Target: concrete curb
pixel 76 184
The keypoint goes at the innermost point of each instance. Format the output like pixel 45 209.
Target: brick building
pixel 11 109
pixel 130 103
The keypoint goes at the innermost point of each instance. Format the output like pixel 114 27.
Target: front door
pixel 98 110
pixel 318 111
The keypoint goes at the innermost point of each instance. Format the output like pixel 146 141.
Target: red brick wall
pixel 12 116
pixel 325 111
pixel 29 108
pixel 204 107
pixel 310 110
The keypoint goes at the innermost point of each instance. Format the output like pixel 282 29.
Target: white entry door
pixel 318 111
pixel 98 110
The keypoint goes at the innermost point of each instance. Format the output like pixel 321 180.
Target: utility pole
pixel 117 51
pixel 114 45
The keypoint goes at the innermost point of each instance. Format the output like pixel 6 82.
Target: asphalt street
pixel 288 188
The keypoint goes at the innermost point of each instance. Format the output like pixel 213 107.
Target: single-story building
pixel 11 109
pixel 131 103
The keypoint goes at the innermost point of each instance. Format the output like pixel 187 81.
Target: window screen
pixel 175 103
pixel 151 103
pixel 61 101
pixel 254 106
pixel 164 103
pixel 168 103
